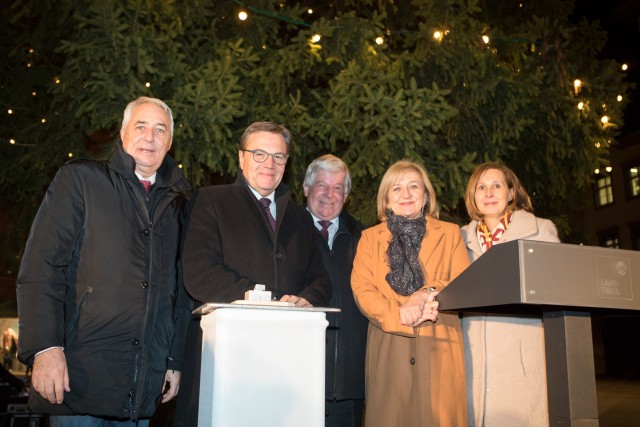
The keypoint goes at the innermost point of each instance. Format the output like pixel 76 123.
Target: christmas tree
pixel 449 83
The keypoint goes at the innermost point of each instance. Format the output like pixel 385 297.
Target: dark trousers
pixel 343 413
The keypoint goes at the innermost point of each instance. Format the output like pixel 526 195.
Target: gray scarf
pixel 405 275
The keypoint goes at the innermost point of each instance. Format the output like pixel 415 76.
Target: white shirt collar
pixel 152 178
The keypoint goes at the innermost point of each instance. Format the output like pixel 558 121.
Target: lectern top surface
pixel 211 306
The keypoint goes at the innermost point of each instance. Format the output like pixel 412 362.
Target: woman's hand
pixel 419 308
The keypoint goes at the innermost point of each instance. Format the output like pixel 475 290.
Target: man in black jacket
pixel 102 310
pixel 244 234
pixel 327 184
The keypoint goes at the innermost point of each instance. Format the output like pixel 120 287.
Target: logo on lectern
pixel 622 268
pixel 614 278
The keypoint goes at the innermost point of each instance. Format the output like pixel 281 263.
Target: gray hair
pixel 265 127
pixel 328 163
pixel 128 112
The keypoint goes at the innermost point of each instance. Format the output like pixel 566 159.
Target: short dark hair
pixel 265 127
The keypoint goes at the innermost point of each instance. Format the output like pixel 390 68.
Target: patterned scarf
pixel 486 237
pixel 405 275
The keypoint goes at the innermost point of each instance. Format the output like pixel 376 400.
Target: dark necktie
pixel 325 229
pixel 265 205
pixel 147 184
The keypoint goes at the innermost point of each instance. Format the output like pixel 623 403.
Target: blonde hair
pixel 395 172
pixel 521 199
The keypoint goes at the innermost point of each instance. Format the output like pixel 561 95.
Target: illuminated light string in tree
pixel 439 35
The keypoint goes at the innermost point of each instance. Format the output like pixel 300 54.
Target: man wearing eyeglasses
pixel 244 234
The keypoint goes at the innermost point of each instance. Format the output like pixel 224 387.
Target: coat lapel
pixel 434 230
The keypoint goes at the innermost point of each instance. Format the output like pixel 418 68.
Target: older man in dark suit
pixel 247 233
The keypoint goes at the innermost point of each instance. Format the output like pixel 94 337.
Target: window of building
pixel 609 239
pixel 604 190
pixel 633 180
pixel 635 236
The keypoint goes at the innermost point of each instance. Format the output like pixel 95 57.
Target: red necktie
pixel 147 184
pixel 325 229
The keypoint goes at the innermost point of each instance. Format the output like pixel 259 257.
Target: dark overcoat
pixel 229 247
pixel 99 277
pixel 347 330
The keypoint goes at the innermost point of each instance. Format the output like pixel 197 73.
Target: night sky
pixel 621 19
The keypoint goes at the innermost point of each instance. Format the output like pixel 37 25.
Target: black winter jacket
pixel 347 330
pixel 99 277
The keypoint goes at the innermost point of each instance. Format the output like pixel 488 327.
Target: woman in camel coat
pixel 415 362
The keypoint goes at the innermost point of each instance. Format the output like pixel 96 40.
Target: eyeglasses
pixel 261 156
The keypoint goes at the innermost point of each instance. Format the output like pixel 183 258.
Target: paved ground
pixel 618 402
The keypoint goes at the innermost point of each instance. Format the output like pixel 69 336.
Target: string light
pixel 147 84
pixel 438 35
pixel 70 154
pixel 577 84
pixel 33 93
pixel 597 144
pixel 580 105
pixel 43 120
pixel 379 40
pixel 57 80
pixel 597 171
pixel 624 67
pixel 619 98
pixel 12 141
pixel 28 64
pixel 9 111
pixel 242 15
pixel 315 38
pixel 608 168
pixel 310 11
pixel 604 119
pixel 31 50
pixel 485 39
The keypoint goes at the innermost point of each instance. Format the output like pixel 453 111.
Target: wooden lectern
pixel 262 365
pixel 563 284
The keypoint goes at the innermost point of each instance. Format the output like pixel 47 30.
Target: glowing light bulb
pixel 624 67
pixel 9 111
pixel 70 154
pixel 577 83
pixel 619 98
pixel 43 120
pixel 485 39
pixel 242 15
pixel 580 105
pixel 57 80
pixel 379 40
pixel 597 144
pixel 438 35
pixel 315 38
pixel 597 171
pixel 604 119
pixel 608 168
pixel 33 93
pixel 12 141
pixel 147 84
pixel 310 11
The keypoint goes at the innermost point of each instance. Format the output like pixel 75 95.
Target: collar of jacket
pixel 281 189
pixel 347 223
pixel 168 174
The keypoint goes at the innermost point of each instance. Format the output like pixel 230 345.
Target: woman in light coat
pixel 505 359
pixel 414 362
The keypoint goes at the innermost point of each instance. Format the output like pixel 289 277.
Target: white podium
pixel 262 366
